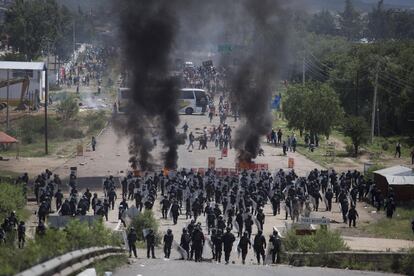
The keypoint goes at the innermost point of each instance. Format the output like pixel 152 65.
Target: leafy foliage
pixel 314 107
pixel 56 242
pixel 68 108
pixel 321 242
pixel 11 199
pixel 357 129
pixel 143 221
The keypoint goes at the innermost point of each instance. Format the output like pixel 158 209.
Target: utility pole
pixel 46 103
pixel 8 104
pixel 357 94
pixel 303 70
pixel 74 36
pixel 374 103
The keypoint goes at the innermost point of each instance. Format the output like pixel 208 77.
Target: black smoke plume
pixel 254 79
pixel 148 30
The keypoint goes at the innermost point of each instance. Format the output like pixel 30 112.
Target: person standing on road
pixel 352 215
pixel 168 240
pixel 175 211
pixel 112 197
pixel 185 127
pixel 93 143
pixel 228 240
pixel 259 246
pixel 185 242
pixel 197 239
pixel 150 238
pixel 217 240
pixel 279 136
pixel 398 150
pixel 277 244
pixel 191 139
pixel 244 242
pixel 329 196
pixel 132 239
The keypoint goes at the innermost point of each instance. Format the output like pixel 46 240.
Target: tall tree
pixel 350 21
pixel 314 107
pixel 323 23
pixel 378 23
pixel 357 129
pixel 35 26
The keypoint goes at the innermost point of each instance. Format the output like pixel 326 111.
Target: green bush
pixel 321 242
pixel 95 120
pixel 11 199
pixel 32 128
pixel 76 236
pixel 370 172
pixel 73 133
pixel 350 150
pixel 68 108
pixel 143 221
pixel 407 264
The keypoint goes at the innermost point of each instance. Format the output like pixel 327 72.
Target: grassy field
pixel 399 227
pixel 64 136
pixel 380 150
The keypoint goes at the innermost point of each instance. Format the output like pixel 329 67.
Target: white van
pixel 193 101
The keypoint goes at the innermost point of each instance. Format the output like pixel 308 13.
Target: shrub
pixel 72 133
pixel 143 221
pixel 385 146
pixel 32 128
pixel 68 108
pixel 77 235
pixel 95 121
pixel 407 263
pixel 349 148
pixel 370 172
pixel 321 242
pixel 11 199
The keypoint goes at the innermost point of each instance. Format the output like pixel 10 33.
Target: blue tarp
pixel 276 102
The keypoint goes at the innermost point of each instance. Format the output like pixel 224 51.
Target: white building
pixel 24 78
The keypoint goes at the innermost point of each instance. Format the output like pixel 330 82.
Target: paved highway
pixel 157 267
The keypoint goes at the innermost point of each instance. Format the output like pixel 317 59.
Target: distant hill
pixel 361 5
pixel 310 5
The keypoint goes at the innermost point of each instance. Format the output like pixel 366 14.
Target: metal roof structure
pixel 18 65
pixel 398 175
pixel 7 139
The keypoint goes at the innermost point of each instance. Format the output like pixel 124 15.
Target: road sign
pixel 320 221
pixel 208 63
pixel 212 163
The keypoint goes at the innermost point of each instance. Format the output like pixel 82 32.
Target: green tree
pixel 350 21
pixel 378 23
pixel 323 23
pixel 37 26
pixel 314 107
pixel 357 129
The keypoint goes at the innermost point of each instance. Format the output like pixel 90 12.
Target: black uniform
pixel 168 240
pixel 132 239
pixel 228 239
pixel 244 242
pixel 259 246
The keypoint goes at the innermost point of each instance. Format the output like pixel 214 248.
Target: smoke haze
pixel 148 29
